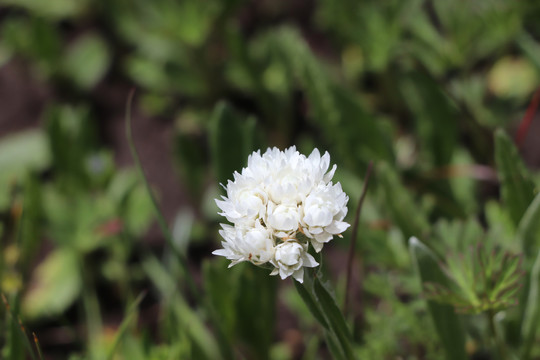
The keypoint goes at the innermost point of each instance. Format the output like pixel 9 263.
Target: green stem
pixel 159 215
pixel 324 308
pixel 92 312
pixel 496 337
pixel 354 234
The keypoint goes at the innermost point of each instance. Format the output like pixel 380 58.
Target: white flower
pixel 245 202
pixel 279 196
pixel 319 165
pixel 324 210
pixel 254 245
pixel 283 218
pixel 290 259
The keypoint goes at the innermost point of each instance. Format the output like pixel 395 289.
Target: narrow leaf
pixel 404 212
pixel 187 318
pixel 130 315
pixel 517 187
pixel 345 121
pixel 159 214
pixel 57 284
pixel 531 316
pixel 311 303
pixel 228 142
pixel 528 231
pixel 16 333
pixel 221 289
pixel 447 323
pixel 256 310
pixel 89 52
pixel 426 100
pixel 334 317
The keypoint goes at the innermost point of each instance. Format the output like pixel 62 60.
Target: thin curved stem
pixel 354 233
pixel 497 340
pixel 159 215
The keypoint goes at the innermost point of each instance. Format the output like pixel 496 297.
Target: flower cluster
pixel 278 204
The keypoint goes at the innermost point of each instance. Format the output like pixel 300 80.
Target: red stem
pixel 527 119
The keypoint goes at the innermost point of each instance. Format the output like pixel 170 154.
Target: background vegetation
pixel 434 93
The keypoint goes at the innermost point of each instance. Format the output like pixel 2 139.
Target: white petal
pixel 323 237
pixel 309 261
pixel 298 275
pixel 337 227
pixel 221 252
pixel 329 175
pixel 317 245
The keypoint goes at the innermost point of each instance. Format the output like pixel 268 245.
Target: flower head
pixel 278 204
pixel 290 258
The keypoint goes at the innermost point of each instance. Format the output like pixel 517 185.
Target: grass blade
pixel 447 323
pixel 159 215
pixel 531 316
pixel 231 141
pixel 17 327
pixel 528 231
pixel 334 317
pixel 311 303
pixel 130 315
pixel 517 187
pixel 404 211
pixel 188 319
pixel 38 347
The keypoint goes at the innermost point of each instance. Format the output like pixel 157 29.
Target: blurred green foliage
pixel 428 90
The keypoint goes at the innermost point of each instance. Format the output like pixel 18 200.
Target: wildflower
pixel 290 259
pixel 277 205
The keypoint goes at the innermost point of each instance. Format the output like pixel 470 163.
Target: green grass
pixel 429 92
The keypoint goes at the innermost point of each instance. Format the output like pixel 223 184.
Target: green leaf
pixel 230 141
pixel 55 9
pixel 31 222
pixel 222 289
pixel 456 236
pixel 311 303
pixel 256 309
pixel 36 39
pixel 517 188
pixel 435 117
pixel 21 153
pixel 86 61
pixel 531 317
pixel 528 231
pixel 528 234
pixel 403 211
pixel 190 154
pixel 147 73
pixel 180 257
pixel 15 336
pixel 485 279
pixel 192 20
pixel 501 227
pixel 339 113
pixel 513 78
pixel 186 318
pixel 131 314
pixel 334 317
pixel 70 128
pixel 362 129
pixel 136 210
pixel 57 283
pixel 447 323
pixel 530 47
pixel 323 307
